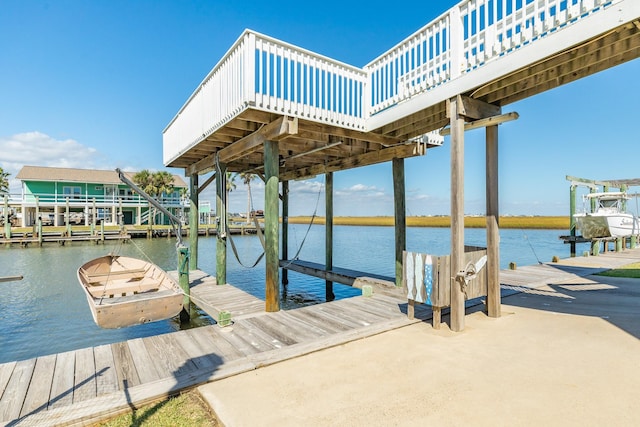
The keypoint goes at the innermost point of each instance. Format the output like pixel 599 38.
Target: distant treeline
pixel 523 222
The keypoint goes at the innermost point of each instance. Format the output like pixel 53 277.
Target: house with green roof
pixel 86 196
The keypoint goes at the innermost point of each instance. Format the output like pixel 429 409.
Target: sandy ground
pixel 559 356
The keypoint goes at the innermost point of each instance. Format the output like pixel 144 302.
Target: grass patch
pixel 630 271
pixel 187 409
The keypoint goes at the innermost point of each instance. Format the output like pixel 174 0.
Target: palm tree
pixel 144 180
pixel 154 184
pixel 246 179
pixel 4 182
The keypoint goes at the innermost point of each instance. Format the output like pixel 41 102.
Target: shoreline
pixel 523 222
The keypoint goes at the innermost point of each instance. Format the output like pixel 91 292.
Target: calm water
pixel 47 311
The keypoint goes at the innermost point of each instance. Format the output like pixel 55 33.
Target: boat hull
pixel 594 226
pixel 124 291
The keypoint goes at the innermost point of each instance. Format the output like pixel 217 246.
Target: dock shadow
pixel 613 299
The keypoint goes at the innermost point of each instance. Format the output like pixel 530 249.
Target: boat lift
pixel 182 249
pixel 597 187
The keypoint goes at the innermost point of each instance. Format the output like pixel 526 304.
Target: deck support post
pixel 37 208
pixel 194 221
pixel 328 194
pixel 400 215
pixel 493 223
pixel 93 216
pixel 271 222
pixel 285 229
pixel 183 281
pixel 221 220
pixel 7 224
pixel 67 222
pixel 572 220
pixel 457 213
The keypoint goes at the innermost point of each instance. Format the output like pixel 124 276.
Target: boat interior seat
pixel 99 278
pixel 117 289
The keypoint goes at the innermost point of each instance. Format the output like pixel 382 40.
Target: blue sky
pixel 92 84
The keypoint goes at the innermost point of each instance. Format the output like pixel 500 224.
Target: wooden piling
pixel 221 218
pixel 7 223
pixel 572 220
pixel 493 226
pixel 457 213
pixel 328 248
pixel 400 215
pixel 285 229
pixel 271 221
pixel 183 281
pixel 194 221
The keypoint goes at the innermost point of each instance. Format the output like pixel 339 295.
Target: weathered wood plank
pixel 353 320
pixel 143 361
pixel 16 389
pixel 106 376
pixel 325 318
pixel 229 334
pixel 226 351
pixel 169 359
pixel 37 397
pixel 124 365
pixel 295 329
pixel 6 369
pixel 63 380
pixel 275 329
pixel 196 352
pixel 325 328
pixel 255 337
pixel 203 338
pixel 85 375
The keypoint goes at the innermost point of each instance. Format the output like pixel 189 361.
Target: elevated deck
pixel 87 385
pixel 327 115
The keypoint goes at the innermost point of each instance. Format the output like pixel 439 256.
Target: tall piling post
pixel 7 223
pixel 328 190
pixel 221 219
pixel 572 220
pixel 400 217
pixel 271 222
pixel 457 214
pixel 493 223
pixel 285 229
pixel 183 281
pixel 194 221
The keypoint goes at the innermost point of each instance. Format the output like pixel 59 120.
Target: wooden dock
pixel 90 384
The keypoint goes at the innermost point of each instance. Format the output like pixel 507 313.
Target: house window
pixel 109 192
pixel 72 192
pixel 125 193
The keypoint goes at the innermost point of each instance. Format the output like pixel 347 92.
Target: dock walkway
pixel 90 384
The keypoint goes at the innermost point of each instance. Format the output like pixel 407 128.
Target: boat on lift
pixel 124 291
pixel 609 219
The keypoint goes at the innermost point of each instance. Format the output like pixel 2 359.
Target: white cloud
pixel 312 187
pixel 38 149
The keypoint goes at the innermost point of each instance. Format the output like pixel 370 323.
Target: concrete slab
pixel 566 354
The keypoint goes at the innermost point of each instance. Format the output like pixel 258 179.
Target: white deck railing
pixel 83 199
pixel 469 35
pixel 267 74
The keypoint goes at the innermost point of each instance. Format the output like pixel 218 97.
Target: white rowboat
pixel 124 291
